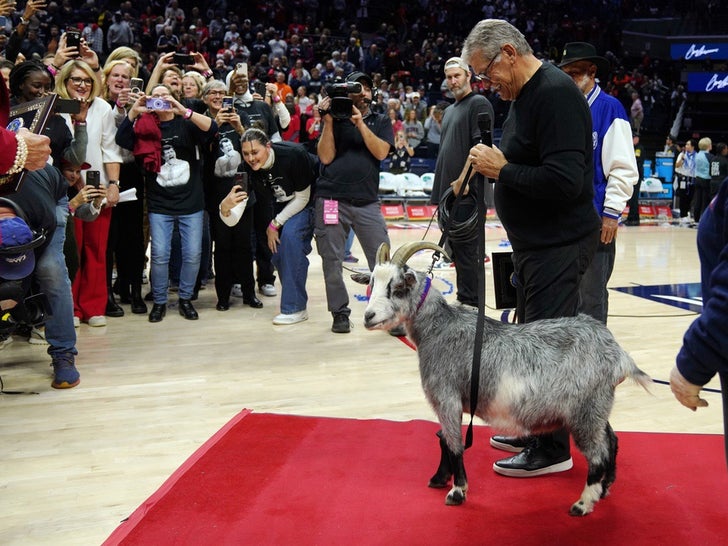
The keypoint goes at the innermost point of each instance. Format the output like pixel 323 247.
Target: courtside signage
pixel 698 51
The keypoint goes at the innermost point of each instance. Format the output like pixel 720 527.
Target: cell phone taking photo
pixel 259 87
pixel 227 104
pixel 93 178
pixel 136 85
pixel 241 179
pixel 73 38
pixel 182 59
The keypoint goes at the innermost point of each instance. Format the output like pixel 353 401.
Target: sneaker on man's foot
pixel 268 290
pixel 65 374
pixel 37 336
pixel 237 291
pixel 341 324
pixel 532 461
pixel 350 258
pixel 76 322
pixel 290 318
pixel 514 444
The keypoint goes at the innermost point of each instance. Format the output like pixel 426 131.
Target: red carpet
pixel 276 479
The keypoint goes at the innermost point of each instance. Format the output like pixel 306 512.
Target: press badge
pixel 331 212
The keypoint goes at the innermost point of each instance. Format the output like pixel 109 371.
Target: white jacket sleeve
pixel 620 166
pixel 294 206
pixel 236 213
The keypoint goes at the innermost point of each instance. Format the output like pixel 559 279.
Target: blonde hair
pixel 197 78
pixel 705 144
pixel 108 67
pixel 123 52
pixel 65 73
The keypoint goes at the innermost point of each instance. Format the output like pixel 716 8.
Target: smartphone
pixel 241 179
pixel 73 37
pixel 259 87
pixel 156 103
pixel 227 104
pixel 241 69
pixel 137 84
pixel 93 178
pixel 181 59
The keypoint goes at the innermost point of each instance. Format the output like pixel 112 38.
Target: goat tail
pixel 633 372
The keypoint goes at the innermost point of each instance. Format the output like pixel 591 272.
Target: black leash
pixel 485 138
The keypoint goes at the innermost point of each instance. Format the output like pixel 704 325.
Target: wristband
pixel 323 112
pixel 79 123
pixel 119 106
pixel 113 182
pixel 274 225
pixel 23 21
pixel 53 69
pixel 207 74
pixel 188 113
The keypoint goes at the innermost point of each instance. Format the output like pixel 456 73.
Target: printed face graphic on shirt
pixel 174 171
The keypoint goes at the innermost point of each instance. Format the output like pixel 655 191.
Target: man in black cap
pixel 350 148
pixel 615 170
pixel 32 231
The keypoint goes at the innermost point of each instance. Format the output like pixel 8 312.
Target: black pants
pixel 548 287
pixel 233 256
pixel 262 214
pixel 465 255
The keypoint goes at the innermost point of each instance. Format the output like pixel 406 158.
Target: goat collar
pixel 428 283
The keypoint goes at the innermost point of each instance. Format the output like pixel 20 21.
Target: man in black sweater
pixel 543 197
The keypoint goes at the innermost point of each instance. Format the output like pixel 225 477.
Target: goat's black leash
pixel 485 138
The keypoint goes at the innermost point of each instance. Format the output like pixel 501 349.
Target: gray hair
pixel 490 35
pixel 213 85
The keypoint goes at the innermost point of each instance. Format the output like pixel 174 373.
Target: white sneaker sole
pixel 505 447
pixel 520 473
pixel 283 320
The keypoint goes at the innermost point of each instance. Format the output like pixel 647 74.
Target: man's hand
pixel 685 392
pixel 39 149
pixel 609 229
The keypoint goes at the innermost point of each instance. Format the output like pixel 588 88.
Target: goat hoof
pixel 455 497
pixel 439 481
pixel 578 509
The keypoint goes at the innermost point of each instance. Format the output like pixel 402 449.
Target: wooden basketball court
pixel 76 462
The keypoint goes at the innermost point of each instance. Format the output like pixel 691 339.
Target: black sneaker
pixel 341 324
pixel 532 461
pixel 514 444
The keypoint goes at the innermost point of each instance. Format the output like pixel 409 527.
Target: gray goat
pixel 534 377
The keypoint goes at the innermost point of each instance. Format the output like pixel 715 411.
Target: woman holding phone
pixel 228 187
pixel 127 250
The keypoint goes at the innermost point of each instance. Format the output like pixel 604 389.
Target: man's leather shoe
pixel 112 308
pixel 157 313
pixel 514 444
pixel 222 306
pixel 533 461
pixel 186 310
pixel 254 302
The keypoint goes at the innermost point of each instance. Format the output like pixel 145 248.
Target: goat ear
pixel 361 278
pixel 410 278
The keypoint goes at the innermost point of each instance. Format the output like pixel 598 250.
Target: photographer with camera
pixel 31 243
pixel 165 137
pixel 353 142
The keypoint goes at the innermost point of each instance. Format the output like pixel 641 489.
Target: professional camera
pixel 341 104
pixel 32 311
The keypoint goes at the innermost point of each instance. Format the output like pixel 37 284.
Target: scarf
pixel 148 142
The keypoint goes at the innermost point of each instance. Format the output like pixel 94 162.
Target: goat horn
pixel 383 253
pixel 407 250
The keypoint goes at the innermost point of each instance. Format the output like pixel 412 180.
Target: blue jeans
pixel 291 261
pixel 190 228
pixel 52 276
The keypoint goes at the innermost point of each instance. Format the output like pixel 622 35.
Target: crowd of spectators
pixel 308 43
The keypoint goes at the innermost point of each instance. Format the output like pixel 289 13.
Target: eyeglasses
pixel 484 75
pixel 78 81
pixel 215 93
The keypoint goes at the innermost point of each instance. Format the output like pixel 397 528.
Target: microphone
pixel 486 136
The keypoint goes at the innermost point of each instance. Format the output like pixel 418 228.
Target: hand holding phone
pixel 241 69
pixel 136 84
pixel 93 178
pixel 227 104
pixel 181 59
pixel 73 38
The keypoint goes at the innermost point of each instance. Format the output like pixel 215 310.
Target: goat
pixel 534 377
